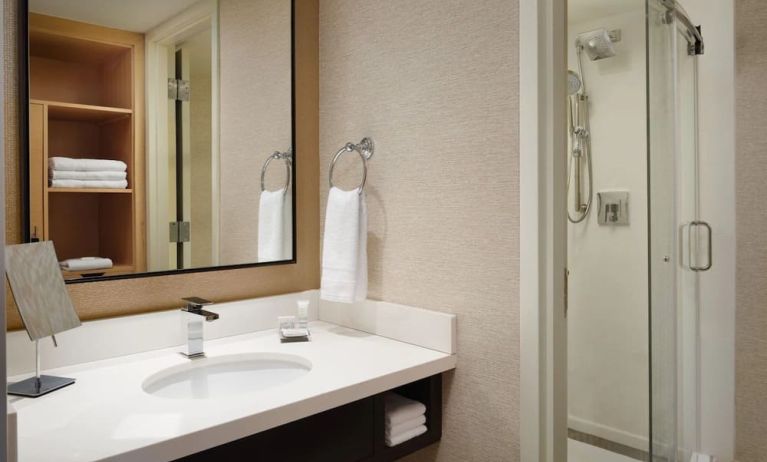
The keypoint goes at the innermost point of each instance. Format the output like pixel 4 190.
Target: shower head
pixel 598 44
pixel 574 83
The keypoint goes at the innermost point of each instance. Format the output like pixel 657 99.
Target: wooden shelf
pixel 83 112
pixel 60 47
pixel 116 269
pixel 90 190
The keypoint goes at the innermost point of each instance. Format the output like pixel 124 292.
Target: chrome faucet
pixel 194 316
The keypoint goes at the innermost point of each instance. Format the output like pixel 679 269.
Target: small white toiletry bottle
pixel 303 314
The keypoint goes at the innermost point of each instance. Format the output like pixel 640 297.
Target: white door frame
pixel 543 230
pixel 201 15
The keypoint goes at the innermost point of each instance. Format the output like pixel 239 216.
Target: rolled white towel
pixel 394 430
pixel 86 263
pixel 97 184
pixel 86 175
pixel 399 409
pixel 90 165
pixel 402 437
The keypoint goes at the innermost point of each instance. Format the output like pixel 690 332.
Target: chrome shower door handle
pixel 693 263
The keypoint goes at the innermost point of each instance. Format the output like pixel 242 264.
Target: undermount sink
pixel 228 375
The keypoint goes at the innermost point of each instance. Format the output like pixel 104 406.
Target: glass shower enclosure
pixel 636 240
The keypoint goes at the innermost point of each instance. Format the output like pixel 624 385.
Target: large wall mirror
pixel 160 135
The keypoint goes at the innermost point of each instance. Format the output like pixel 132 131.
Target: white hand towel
pixel 344 248
pixel 395 430
pixel 98 184
pixel 86 175
pixel 92 165
pixel 86 263
pixel 275 226
pixel 399 409
pixel 402 437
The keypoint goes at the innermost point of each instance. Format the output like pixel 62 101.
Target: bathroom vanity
pixel 231 92
pixel 317 400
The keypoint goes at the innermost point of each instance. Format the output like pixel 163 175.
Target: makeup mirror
pixel 44 304
pixel 38 289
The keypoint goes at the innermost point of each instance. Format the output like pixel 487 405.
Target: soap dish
pixel 294 335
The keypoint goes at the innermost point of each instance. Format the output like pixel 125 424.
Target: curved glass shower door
pixel 678 239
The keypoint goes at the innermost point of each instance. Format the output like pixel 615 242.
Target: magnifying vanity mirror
pixel 160 135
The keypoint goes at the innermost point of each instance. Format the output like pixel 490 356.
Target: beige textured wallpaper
pixel 751 191
pixel 440 99
pixel 255 115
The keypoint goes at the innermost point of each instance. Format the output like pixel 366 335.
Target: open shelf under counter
pixel 83 112
pixel 91 190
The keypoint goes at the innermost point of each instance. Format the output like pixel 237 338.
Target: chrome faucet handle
pixel 194 306
pixel 196 303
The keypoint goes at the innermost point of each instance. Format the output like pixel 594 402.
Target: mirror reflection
pixel 160 134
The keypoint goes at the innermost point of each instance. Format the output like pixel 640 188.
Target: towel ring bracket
pixel 365 149
pixel 287 156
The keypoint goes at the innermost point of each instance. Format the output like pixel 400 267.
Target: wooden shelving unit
pixel 86 101
pixel 84 112
pixel 89 191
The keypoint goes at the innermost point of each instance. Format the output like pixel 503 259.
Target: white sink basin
pixel 228 375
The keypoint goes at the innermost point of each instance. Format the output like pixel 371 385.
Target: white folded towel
pixel 86 263
pixel 402 437
pixel 398 409
pixel 394 430
pixel 92 165
pixel 86 175
pixel 107 184
pixel 275 226
pixel 344 248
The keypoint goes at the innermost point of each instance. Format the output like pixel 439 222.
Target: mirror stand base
pixel 38 386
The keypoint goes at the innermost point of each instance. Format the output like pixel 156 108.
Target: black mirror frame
pixel 22 44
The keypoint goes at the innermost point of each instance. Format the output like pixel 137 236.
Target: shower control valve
pixel 613 207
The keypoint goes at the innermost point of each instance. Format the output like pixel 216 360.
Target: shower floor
pixel 582 452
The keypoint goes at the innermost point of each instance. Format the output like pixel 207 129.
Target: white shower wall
pixel 608 359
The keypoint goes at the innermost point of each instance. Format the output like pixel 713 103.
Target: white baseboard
pixel 702 458
pixel 615 435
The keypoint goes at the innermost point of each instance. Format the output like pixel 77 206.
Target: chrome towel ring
pixel 365 150
pixel 288 158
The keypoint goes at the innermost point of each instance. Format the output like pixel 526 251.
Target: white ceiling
pixel 581 10
pixel 133 15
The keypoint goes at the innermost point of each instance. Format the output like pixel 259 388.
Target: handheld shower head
pixel 574 83
pixel 598 44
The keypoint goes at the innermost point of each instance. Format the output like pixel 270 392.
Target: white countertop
pixel 106 415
